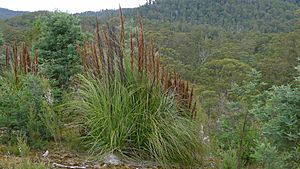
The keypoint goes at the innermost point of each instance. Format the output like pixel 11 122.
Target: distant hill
pixel 258 15
pixel 26 19
pixel 233 15
pixel 6 13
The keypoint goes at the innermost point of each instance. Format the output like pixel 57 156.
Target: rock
pixel 112 159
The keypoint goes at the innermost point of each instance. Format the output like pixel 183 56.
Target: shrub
pixel 22 146
pixel 60 32
pixel 280 115
pixel 278 112
pixel 24 108
pixel 238 130
pixel 268 156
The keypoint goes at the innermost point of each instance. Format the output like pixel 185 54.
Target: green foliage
pixel 294 156
pixel 237 127
pixel 60 33
pixel 219 75
pixel 216 78
pixel 25 163
pixel 274 55
pixel 137 121
pixel 1 39
pixel 228 137
pixel 229 160
pixel 34 32
pixel 268 156
pixel 279 58
pixel 13 34
pixel 210 101
pixel 280 116
pixel 1 55
pixel 278 113
pixel 22 145
pixel 24 107
pixel 263 15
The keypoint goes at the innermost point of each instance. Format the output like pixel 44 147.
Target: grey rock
pixel 112 159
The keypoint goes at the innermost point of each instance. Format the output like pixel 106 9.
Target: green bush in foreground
pixel 136 121
pixel 25 109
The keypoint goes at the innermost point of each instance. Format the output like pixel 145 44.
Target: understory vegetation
pixel 210 84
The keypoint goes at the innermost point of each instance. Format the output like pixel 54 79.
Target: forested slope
pixel 258 15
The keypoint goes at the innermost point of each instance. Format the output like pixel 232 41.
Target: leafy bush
pixel 268 156
pixel 229 136
pixel 24 108
pixel 278 113
pixel 237 128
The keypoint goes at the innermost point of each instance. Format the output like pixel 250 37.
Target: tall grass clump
pixel 137 121
pixel 25 100
pixel 132 106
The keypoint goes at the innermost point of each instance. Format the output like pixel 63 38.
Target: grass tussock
pixel 137 121
pixel 132 106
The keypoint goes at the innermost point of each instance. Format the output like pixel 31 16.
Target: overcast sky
pixel 71 6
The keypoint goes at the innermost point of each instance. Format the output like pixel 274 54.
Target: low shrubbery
pixel 263 127
pixel 24 109
pixel 26 103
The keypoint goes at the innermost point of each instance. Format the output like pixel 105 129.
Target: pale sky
pixel 71 6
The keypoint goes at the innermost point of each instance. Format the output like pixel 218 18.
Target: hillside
pixel 219 29
pixel 6 13
pixel 262 15
pixel 232 15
